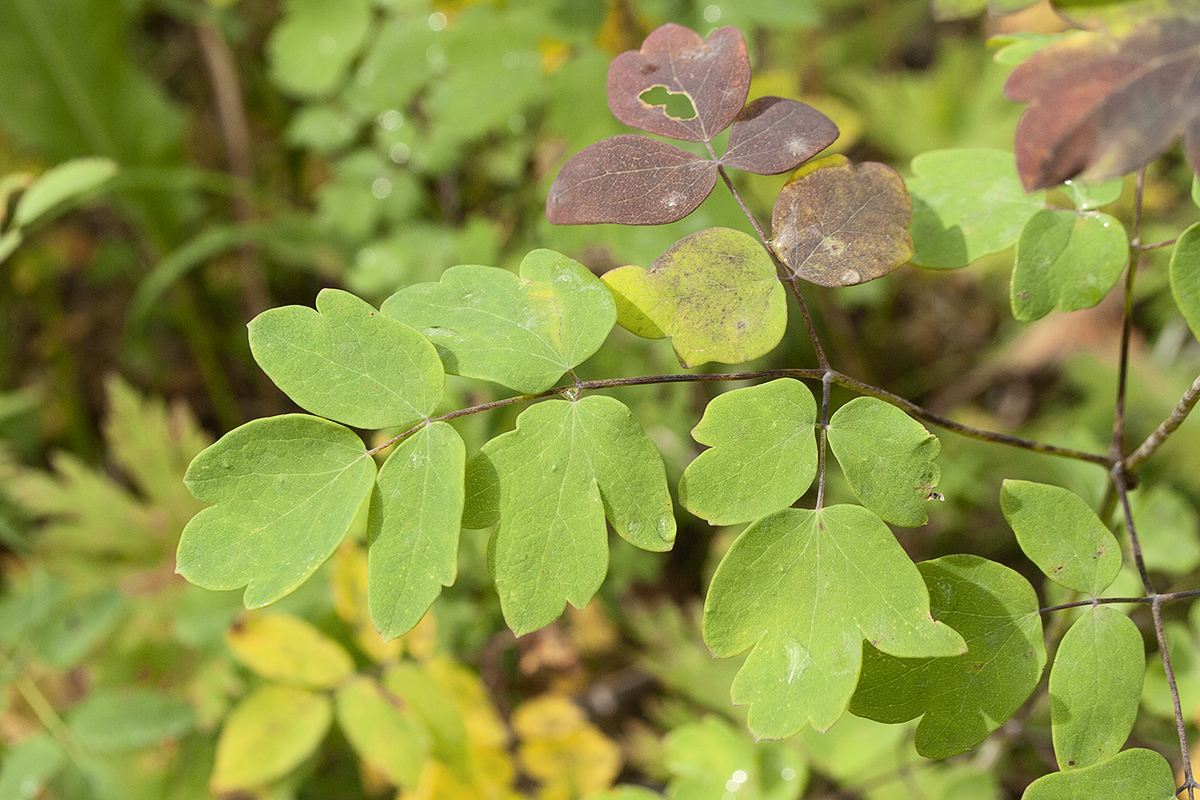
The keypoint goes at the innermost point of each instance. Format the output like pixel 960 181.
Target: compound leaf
pixel 1185 276
pixel 772 135
pixel 714 292
pixel 887 457
pixel 713 73
pixel 522 332
pixel 1062 535
pixel 963 698
pixel 285 489
pixel 1131 775
pixel 1105 107
pixel 383 730
pixel 837 224
pixel 1095 688
pixel 803 589
pixel 61 183
pixel 762 456
pixel 289 650
pixel 1068 260
pixel 416 509
pixel 630 180
pixel 550 484
pixel 966 203
pixel 348 362
pixel 267 735
pixel 311 49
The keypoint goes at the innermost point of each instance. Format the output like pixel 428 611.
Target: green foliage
pixel 1066 259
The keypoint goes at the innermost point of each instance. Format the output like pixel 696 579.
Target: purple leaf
pixel 773 135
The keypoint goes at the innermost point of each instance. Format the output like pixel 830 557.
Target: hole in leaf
pixel 676 105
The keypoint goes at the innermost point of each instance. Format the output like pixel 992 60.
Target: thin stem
pixel 1100 601
pixel 1120 481
pixel 46 714
pixel 802 374
pixel 824 439
pixel 1144 247
pixel 1168 426
pixel 758 228
pixel 1118 438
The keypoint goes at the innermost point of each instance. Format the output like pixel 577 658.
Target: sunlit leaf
pixel 61 184
pixel 311 48
pixel 1066 260
pixel 1185 276
pixel 1062 535
pixel 963 698
pixel 1095 686
pixel 416 508
pixel 837 224
pixel 710 758
pixel 713 73
pixel 966 203
pixel 382 730
pixel 285 489
pixel 348 362
pixel 1105 107
pixel 267 735
pixel 1130 775
pixel 762 456
pixel 289 650
pixel 523 332
pixel 131 719
pixel 550 484
pixel 715 293
pixel 631 180
pixel 887 457
pixel 773 135
pixel 804 589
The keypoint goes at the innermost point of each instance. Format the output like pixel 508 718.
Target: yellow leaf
pixel 269 733
pixel 566 753
pixel 288 649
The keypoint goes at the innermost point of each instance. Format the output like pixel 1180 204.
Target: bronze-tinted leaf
pixel 713 73
pixel 773 135
pixel 632 180
pixel 1102 107
pixel 837 224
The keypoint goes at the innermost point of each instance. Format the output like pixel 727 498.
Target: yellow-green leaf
pixel 288 649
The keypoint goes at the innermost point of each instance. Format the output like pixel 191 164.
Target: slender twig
pixel 1118 437
pixel 1100 601
pixel 46 714
pixel 824 439
pixel 1168 426
pixel 758 228
pixel 803 374
pixel 1154 246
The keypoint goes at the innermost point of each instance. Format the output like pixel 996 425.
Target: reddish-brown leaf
pixel 837 224
pixel 714 73
pixel 773 135
pixel 1102 107
pixel 631 180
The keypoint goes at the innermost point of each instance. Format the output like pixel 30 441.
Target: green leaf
pixel 310 50
pixel 27 766
pixel 966 204
pixel 763 453
pixel 1016 47
pixel 286 489
pixel 521 332
pixel 60 184
pixel 550 484
pixel 267 735
pixel 287 649
pixel 710 758
pixel 348 362
pixel 887 457
pixel 1089 196
pixel 78 627
pixel 130 719
pixel 1130 775
pixel 715 293
pixel 416 510
pixel 1062 535
pixel 1068 260
pixel 1095 688
pixel 803 589
pixel 9 242
pixel 966 697
pixel 382 730
pixel 436 710
pixel 1168 529
pixel 1185 276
